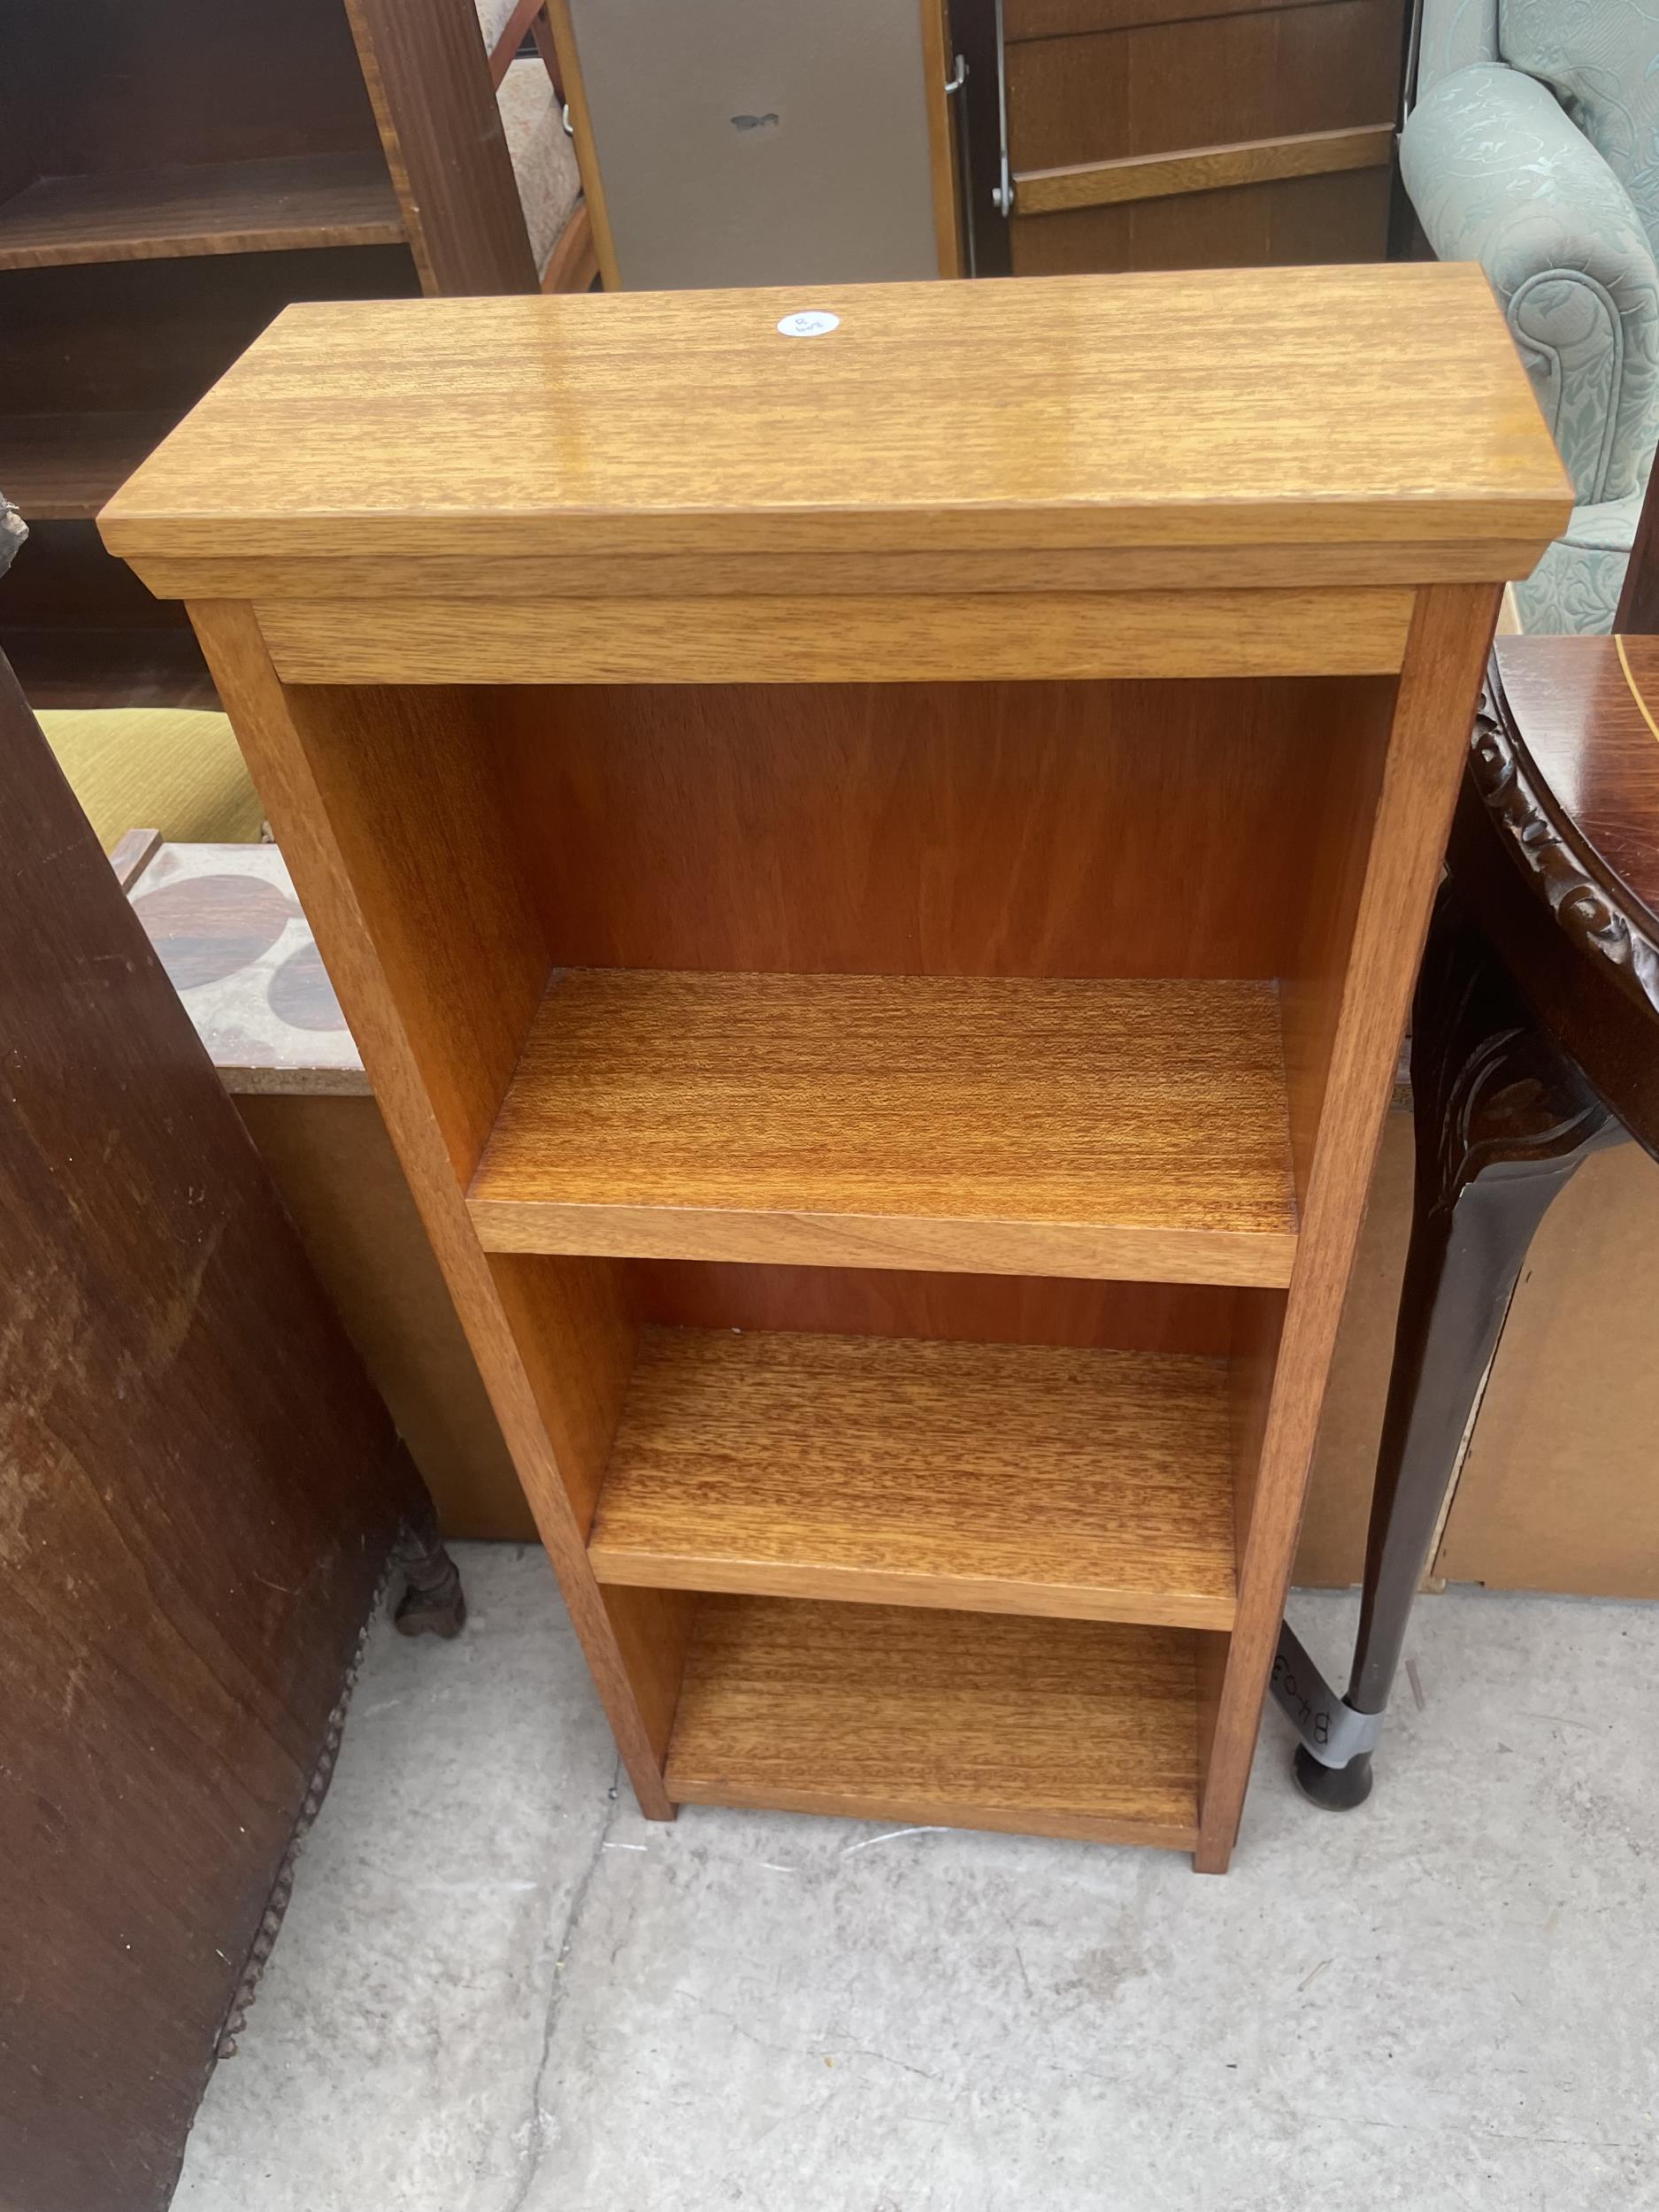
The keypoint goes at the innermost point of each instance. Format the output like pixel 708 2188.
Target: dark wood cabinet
pixel 1183 133
pixel 172 176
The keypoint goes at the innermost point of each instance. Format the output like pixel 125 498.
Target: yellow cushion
pixel 173 769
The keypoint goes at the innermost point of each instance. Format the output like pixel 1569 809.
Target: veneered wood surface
pixel 1168 87
pixel 198 1493
pixel 1076 1728
pixel 1585 709
pixel 1196 1317
pixel 1370 981
pixel 396 846
pixel 1058 830
pixel 1053 19
pixel 429 77
pixel 1066 1127
pixel 1297 220
pixel 1004 1478
pixel 823 639
pixel 1202 169
pixel 1081 413
pixel 229 207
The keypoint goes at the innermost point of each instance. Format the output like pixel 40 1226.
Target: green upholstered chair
pixel 1533 149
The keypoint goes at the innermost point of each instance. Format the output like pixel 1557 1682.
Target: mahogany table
pixel 1535 1041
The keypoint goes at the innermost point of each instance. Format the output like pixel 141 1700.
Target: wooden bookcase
pixel 877 878
pixel 172 174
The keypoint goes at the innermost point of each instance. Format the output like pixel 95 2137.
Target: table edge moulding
pixel 877 876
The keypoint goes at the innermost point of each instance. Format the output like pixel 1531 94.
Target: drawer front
pixel 1165 87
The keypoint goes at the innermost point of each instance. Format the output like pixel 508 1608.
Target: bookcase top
pixel 1213 412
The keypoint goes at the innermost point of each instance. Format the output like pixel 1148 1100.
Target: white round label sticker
pixel 812 322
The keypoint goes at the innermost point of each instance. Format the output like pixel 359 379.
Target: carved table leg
pixel 1503 1119
pixel 433 1602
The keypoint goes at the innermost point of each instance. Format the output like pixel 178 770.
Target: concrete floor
pixel 500 1990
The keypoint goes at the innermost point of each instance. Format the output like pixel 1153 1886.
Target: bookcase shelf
pixel 1074 1728
pixel 300 201
pixel 1087 1127
pixel 1009 1478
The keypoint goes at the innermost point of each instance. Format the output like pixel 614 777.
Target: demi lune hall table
pixel 877 876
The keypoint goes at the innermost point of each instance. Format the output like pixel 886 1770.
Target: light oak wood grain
pixel 377 805
pixel 1080 412
pixel 1069 1128
pixel 1073 1728
pixel 570 62
pixel 1204 169
pixel 992 1478
pixel 1016 829
pixel 829 638
pixel 1371 977
pixel 681 576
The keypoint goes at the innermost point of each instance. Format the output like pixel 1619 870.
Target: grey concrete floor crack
pixel 536 2123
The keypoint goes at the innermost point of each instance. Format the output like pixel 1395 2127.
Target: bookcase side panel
pixel 1359 972
pixel 389 813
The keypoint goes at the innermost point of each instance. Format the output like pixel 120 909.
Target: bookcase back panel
pixel 170 335
pixel 1196 1318
pixel 112 84
pixel 1136 829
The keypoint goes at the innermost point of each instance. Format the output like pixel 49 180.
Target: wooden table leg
pixel 1503 1117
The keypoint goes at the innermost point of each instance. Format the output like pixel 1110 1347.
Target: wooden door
pixel 199 1493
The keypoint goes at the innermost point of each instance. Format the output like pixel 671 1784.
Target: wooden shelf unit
pixel 172 176
pixel 880 935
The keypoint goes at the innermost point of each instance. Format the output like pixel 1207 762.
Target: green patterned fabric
pixel 1600 60
pixel 1576 586
pixel 1533 149
pixel 1454 33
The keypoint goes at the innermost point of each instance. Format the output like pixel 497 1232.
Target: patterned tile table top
pixel 240 953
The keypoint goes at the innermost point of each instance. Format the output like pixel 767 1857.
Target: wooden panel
pixel 343 1189
pixel 428 77
pixel 528 428
pixel 997 1478
pixel 64 467
pixel 1205 169
pixel 1306 219
pixel 107 86
pixel 1141 829
pixel 915 1122
pixel 396 847
pixel 1130 1317
pixel 200 1494
pixel 1167 86
pixel 938 63
pixel 1445 661
pixel 1070 1728
pixel 1055 19
pixel 679 576
pixel 829 640
pixel 582 139
pixel 232 207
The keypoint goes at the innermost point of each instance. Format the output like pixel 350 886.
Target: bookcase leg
pixel 1502 1120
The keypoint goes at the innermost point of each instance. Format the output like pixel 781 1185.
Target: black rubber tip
pixel 1336 1789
